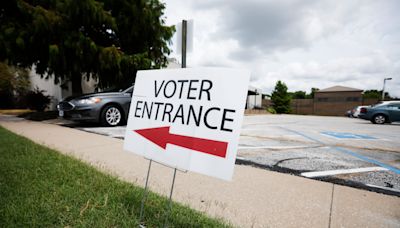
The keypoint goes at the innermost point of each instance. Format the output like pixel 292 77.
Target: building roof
pixel 253 90
pixel 339 89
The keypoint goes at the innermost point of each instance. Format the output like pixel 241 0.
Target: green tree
pixel 373 93
pixel 281 98
pixel 298 95
pixel 312 93
pixel 105 39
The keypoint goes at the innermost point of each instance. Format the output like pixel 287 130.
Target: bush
pixel 271 110
pixel 36 100
pixel 6 100
pixel 14 83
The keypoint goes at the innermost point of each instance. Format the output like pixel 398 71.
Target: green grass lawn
pixel 41 188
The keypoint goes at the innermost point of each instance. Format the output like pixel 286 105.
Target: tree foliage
pixel 281 98
pixel 106 39
pixel 302 94
pixel 312 93
pixel 298 95
pixel 373 94
pixel 14 83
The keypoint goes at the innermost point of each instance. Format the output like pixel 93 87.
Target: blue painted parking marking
pixel 343 135
pixel 349 152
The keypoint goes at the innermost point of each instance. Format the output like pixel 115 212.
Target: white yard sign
pixel 188 118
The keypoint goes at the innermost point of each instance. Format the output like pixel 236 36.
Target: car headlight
pixel 92 100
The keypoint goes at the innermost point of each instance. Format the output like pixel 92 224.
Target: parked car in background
pixel 356 111
pixel 385 112
pixel 349 113
pixel 107 108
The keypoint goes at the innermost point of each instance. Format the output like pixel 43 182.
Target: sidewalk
pixel 255 197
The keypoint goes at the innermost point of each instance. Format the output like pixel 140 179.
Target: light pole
pixel 383 90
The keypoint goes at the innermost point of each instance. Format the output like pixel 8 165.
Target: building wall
pixel 48 86
pixel 254 101
pixel 266 103
pixel 302 106
pixel 57 92
pixel 336 103
pixel 370 101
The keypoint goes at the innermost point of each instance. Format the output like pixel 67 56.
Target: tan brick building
pixel 336 100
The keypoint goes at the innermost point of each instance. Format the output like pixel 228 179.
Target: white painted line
pixel 385 188
pixel 342 171
pixel 242 158
pixel 272 147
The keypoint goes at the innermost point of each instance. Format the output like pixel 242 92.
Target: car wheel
pixel 379 119
pixel 111 116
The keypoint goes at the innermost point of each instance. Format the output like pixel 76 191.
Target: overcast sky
pixel 309 43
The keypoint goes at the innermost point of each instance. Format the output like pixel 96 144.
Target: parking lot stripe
pixel 273 147
pixel 342 171
pixel 349 152
pixel 362 157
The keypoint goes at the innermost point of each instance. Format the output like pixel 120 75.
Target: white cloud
pixel 303 43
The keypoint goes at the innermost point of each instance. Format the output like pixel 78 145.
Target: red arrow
pixel 161 136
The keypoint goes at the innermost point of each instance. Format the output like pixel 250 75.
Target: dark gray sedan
pixel 107 108
pixel 385 112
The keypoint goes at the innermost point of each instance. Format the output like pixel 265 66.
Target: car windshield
pixel 378 105
pixel 128 90
pixel 117 89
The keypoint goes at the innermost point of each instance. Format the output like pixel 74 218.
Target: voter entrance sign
pixel 188 118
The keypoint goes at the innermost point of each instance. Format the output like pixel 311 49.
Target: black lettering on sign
pixel 192 88
pixel 171 88
pixel 192 112
pixel 157 91
pixel 138 108
pixel 167 111
pixel 186 115
pixel 206 85
pixel 147 109
pixel 182 82
pixel 224 118
pixel 206 115
pixel 158 107
pixel 179 114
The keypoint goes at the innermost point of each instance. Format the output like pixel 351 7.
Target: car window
pixel 394 106
pixel 129 90
pixel 379 105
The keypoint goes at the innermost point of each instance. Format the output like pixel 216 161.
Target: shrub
pixel 14 83
pixel 271 110
pixel 6 100
pixel 36 100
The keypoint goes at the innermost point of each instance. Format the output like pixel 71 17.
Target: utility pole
pixel 383 90
pixel 184 42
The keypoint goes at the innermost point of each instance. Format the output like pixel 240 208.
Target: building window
pixel 353 99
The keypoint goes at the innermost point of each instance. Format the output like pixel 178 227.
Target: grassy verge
pixel 42 188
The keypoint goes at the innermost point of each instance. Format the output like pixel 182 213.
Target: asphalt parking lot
pixel 342 150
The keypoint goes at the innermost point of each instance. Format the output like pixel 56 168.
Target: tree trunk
pixel 76 82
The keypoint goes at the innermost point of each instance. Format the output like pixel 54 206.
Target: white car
pixel 357 110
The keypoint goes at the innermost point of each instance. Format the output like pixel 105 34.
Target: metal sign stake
pixel 170 200
pixel 144 194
